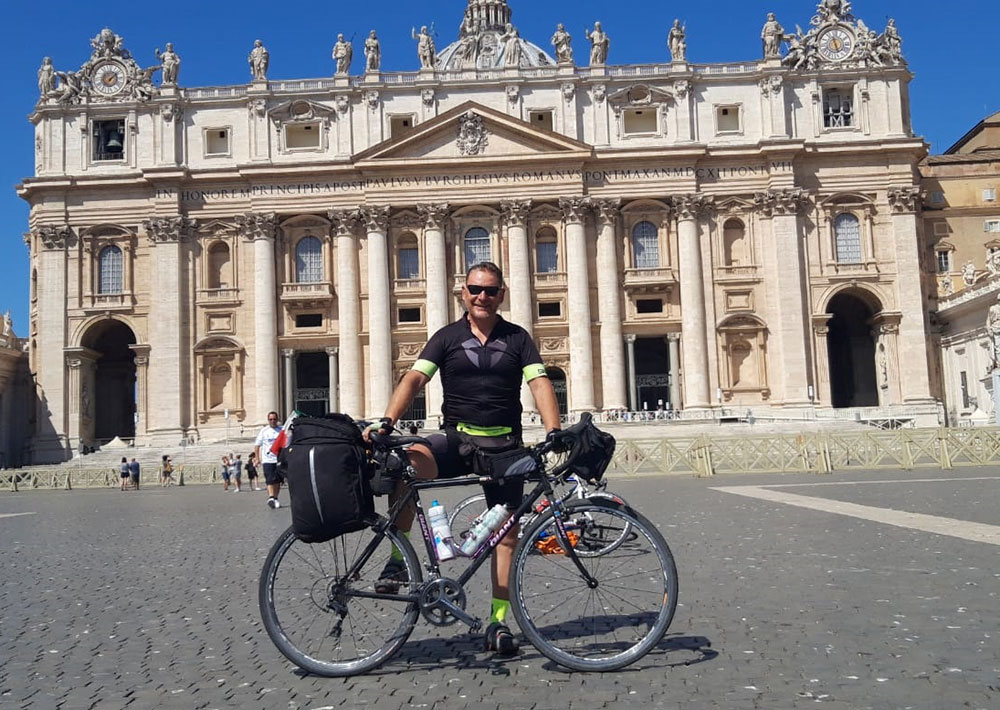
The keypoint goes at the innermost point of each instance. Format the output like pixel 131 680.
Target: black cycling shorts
pixel 454 460
pixel 271 475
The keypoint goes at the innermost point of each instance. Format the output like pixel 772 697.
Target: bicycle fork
pixel 563 537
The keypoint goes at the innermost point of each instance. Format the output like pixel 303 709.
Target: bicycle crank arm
pixel 472 622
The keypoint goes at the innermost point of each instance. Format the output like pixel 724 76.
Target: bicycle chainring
pixel 433 597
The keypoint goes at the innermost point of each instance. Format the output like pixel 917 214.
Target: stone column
pixel 515 217
pixel 141 355
pixel 332 399
pixel 260 229
pixel 694 344
pixel 376 221
pixel 609 310
pixel 581 357
pixel 912 339
pixel 438 292
pixel 81 366
pixel 633 392
pixel 167 338
pixel 289 358
pixel 674 349
pixel 822 393
pixel 348 313
pixel 782 207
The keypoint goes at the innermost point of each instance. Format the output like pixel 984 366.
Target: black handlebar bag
pixel 328 475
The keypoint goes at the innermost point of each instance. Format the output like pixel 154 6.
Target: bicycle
pixel 593 540
pixel 599 613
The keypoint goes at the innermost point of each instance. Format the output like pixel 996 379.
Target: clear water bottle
pixel 441 531
pixel 491 521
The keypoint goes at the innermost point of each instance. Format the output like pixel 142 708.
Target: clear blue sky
pixel 949 46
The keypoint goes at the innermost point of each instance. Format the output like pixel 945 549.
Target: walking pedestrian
pixel 124 473
pixel 268 460
pixel 252 470
pixel 236 470
pixel 133 470
pixel 224 470
pixel 166 472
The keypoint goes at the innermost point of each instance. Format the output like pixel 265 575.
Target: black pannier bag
pixel 591 449
pixel 328 476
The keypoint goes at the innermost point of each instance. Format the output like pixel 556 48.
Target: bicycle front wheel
pixel 601 537
pixel 602 627
pixel 326 622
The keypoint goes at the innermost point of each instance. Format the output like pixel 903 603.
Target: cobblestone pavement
pixel 148 600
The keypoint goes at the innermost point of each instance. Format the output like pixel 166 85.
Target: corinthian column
pixel 376 221
pixel 581 356
pixel 609 310
pixel 260 228
pixel 515 216
pixel 694 343
pixel 436 257
pixel 348 312
pixel 168 342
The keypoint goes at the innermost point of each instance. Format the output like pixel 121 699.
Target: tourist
pixel 124 473
pixel 269 460
pixel 224 471
pixel 252 471
pixel 236 470
pixel 133 470
pixel 166 471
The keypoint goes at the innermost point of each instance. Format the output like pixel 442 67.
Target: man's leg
pixel 426 468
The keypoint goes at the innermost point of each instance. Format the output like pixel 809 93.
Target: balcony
pixel 858 270
pixel 311 293
pixel 550 280
pixel 110 302
pixel 649 280
pixel 737 273
pixel 409 285
pixel 218 296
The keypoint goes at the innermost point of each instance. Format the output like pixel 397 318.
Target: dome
pixel 484 41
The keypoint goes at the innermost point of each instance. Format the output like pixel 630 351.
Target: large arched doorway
pixel 114 380
pixel 851 348
pixel 558 379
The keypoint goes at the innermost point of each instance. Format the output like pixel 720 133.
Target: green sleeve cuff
pixel 533 371
pixel 425 367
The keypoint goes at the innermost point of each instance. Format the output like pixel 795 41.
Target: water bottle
pixel 441 531
pixel 482 530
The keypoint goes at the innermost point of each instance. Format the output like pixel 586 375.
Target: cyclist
pixel 482 359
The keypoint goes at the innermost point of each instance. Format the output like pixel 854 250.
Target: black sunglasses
pixel 491 291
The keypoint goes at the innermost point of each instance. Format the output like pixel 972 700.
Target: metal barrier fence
pixel 826 452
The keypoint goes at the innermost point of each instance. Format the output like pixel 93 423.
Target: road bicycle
pixel 593 539
pixel 589 613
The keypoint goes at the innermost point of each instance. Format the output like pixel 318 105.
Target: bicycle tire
pixel 295 597
pixel 466 511
pixel 551 600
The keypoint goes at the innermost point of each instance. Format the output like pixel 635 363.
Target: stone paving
pixel 149 600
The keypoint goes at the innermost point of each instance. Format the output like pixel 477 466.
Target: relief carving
pixel 257 225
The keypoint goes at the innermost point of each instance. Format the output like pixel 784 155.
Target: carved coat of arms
pixel 472 134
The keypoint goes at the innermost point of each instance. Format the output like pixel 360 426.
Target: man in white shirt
pixel 269 461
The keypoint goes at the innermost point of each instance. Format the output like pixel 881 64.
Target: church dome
pixel 484 38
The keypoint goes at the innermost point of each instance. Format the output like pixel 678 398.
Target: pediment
pixel 473 132
pixel 299 111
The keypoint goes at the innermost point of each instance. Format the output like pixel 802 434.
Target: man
pixel 236 469
pixel 269 461
pixel 133 469
pixel 482 359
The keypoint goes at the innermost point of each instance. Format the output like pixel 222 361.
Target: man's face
pixel 272 420
pixel 482 305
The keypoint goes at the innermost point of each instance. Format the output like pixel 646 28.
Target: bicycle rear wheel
pixel 319 619
pixel 601 537
pixel 464 513
pixel 611 625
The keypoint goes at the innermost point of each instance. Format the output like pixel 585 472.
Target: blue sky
pixel 954 61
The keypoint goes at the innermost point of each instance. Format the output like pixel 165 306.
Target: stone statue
pixel 469 48
pixel 343 53
pixel 425 47
pixel 993 262
pixel 892 43
pixel 993 330
pixel 561 41
pixel 69 87
pixel 968 273
pixel 171 64
pixel 797 55
pixel 599 43
pixel 46 77
pixel 373 53
pixel 258 61
pixel 677 41
pixel 771 35
pixel 511 46
pixel 8 325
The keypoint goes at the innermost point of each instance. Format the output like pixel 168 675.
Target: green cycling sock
pixel 396 554
pixel 499 610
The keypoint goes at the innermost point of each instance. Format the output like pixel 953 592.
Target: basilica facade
pixel 674 235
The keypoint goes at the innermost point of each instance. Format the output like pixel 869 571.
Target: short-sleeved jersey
pixel 481 383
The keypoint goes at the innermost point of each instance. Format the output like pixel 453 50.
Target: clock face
pixel 109 78
pixel 836 44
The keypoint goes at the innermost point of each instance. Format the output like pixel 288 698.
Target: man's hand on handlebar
pixel 556 442
pixel 383 426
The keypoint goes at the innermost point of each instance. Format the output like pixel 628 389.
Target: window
pixel 109 140
pixel 409 315
pixel 645 246
pixel 477 246
pixel 649 305
pixel 734 243
pixel 937 198
pixel 109 262
pixel 408 262
pixel 847 235
pixel 302 135
pixel 991 225
pixel 989 194
pixel 541 119
pixel 217 141
pixel 727 119
pixel 838 108
pixel 944 262
pixel 218 265
pixel 551 309
pixel 400 125
pixel 308 260
pixel 309 320
pixel 547 253
pixel 640 120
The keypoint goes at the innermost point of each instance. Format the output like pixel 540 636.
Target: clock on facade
pixel 109 78
pixel 836 44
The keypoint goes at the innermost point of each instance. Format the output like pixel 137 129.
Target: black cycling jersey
pixel 481 383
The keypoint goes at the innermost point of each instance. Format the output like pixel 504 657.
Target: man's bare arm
pixel 545 400
pixel 402 396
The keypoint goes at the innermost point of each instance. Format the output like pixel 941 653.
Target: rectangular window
pixel 217 141
pixel 838 108
pixel 649 305
pixel 301 136
pixel 965 389
pixel 409 263
pixel 727 119
pixel 640 120
pixel 409 315
pixel 937 198
pixel 991 225
pixel 944 262
pixel 548 258
pixel 541 119
pixel 108 140
pixel 309 320
pixel 400 125
pixel 549 310
pixel 989 194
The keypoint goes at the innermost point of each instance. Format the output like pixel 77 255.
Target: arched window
pixel 407 258
pixel 109 262
pixel 645 246
pixel 546 251
pixel 734 243
pixel 477 246
pixel 847 236
pixel 218 265
pixel 308 260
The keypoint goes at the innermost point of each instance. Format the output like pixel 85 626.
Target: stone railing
pixel 306 291
pixel 635 277
pixel 218 294
pixel 409 285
